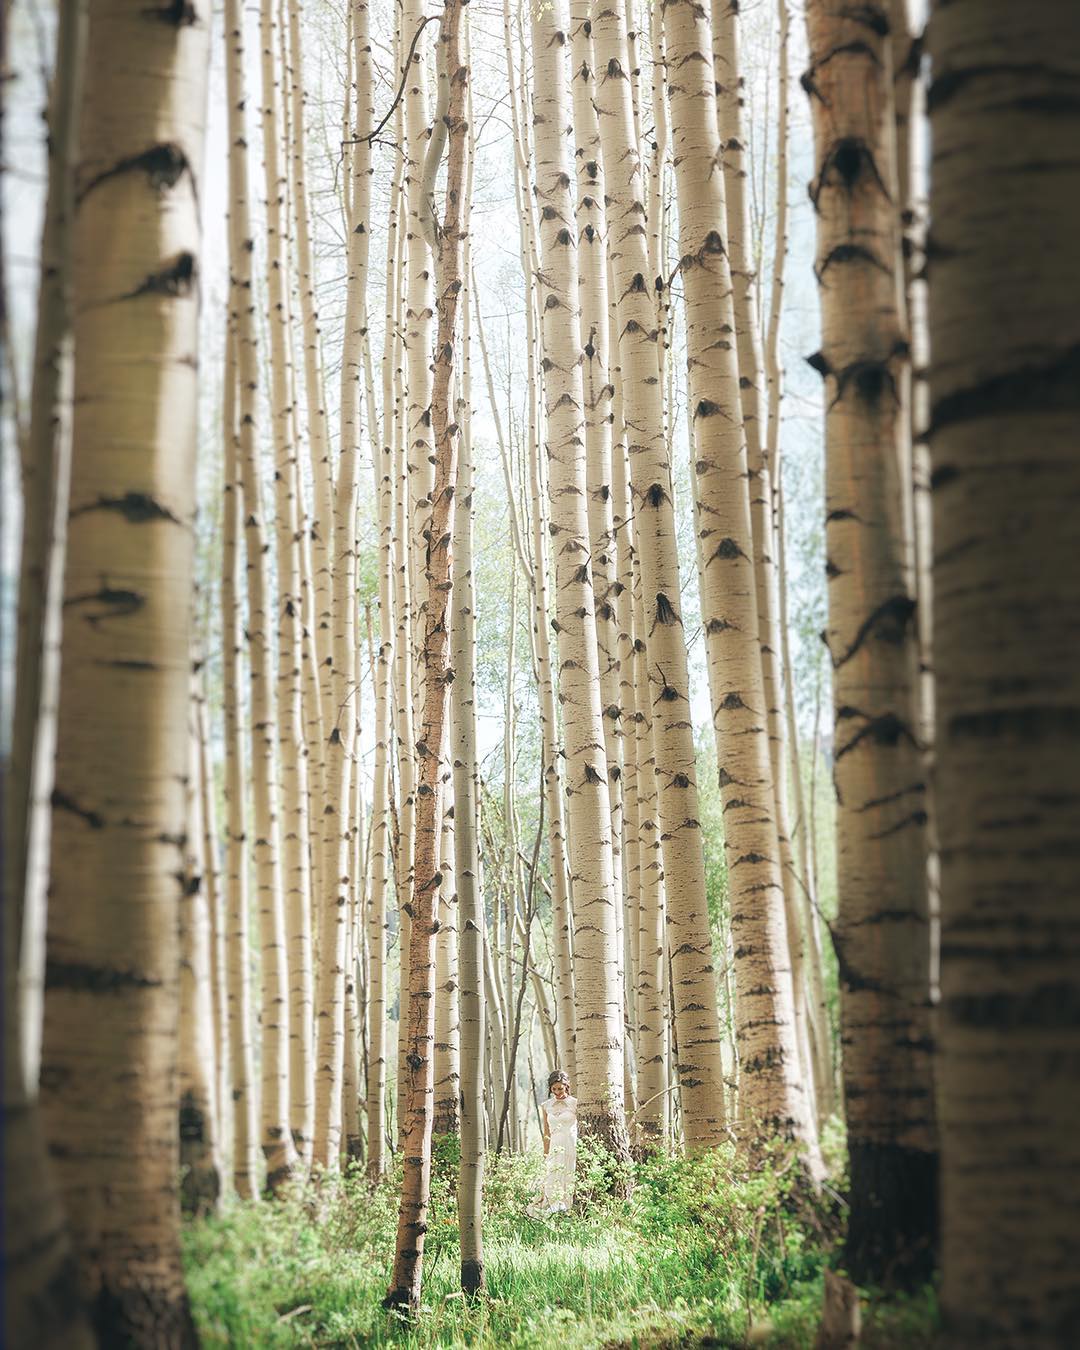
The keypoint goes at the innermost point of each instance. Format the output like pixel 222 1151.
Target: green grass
pixel 699 1254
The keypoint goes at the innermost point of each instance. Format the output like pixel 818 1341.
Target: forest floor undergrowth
pixel 699 1254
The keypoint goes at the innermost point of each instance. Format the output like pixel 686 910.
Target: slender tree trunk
pixel 506 907
pixel 382 844
pixel 447 1025
pixel 496 1044
pixel 745 304
pixel 651 999
pixel 882 930
pixel 817 1012
pixel 405 1284
pixel 334 905
pixel 403 600
pixel 418 335
pixel 1005 484
pixel 598 983
pixel 353 1139
pixel 215 900
pixel 122 746
pixel 292 756
pixel 821 1039
pixel 466 843
pixel 773 1096
pixel 42 1302
pixel 42 1307
pixel 622 603
pixel 241 1053
pixel 200 1155
pixel 275 1132
pixel 597 392
pixel 45 474
pixel 562 906
pixel 321 515
pixel 673 735
pixel 414 499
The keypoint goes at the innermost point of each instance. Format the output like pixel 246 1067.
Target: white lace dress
pixel 558 1192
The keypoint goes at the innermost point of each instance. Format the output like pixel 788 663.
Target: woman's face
pixel 559 1091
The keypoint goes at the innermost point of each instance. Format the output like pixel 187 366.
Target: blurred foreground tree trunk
pixel 1005 197
pixel 417 1094
pixel 112 978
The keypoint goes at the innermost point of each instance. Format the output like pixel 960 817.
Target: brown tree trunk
pixel 405 1283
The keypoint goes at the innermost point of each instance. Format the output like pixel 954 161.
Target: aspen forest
pixel 540 673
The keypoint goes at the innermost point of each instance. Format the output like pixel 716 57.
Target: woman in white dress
pixel 560 1145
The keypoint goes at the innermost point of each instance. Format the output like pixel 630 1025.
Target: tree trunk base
pixel 200 1184
pixel 472 1277
pixel 892 1224
pixel 402 1301
pixel 144 1318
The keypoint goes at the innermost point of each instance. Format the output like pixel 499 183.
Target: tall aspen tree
pixel 772 370
pixel 1004 188
pixel 673 733
pixel 881 932
pixel 382 842
pixel 597 393
pixel 728 76
pixel 538 574
pixel 656 195
pixel 321 507
pixel 112 995
pixel 333 907
pixel 598 972
pixel 419 455
pixel 275 1133
pixel 817 1012
pixel 772 1091
pixel 466 841
pixel 419 318
pixel 238 969
pixel 404 1291
pixel 622 604
pixel 310 560
pixel 292 756
pixel 403 603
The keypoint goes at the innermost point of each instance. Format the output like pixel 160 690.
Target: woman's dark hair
pixel 557 1077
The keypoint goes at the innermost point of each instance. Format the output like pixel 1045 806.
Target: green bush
pixel 663 1252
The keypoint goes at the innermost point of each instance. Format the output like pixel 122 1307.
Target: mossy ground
pixel 700 1254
